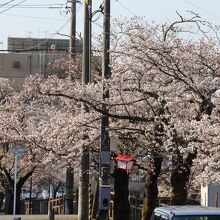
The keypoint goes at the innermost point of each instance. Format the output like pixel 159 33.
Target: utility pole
pixel 72 43
pixel 104 178
pixel 83 206
pixel 70 169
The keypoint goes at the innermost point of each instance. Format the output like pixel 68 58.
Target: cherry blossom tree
pixel 160 92
pixel 47 126
pixel 183 75
pixel 164 103
pixel 21 115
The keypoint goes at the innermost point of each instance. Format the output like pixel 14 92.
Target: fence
pixel 57 205
pixel 136 205
pixel 36 206
pixel 40 206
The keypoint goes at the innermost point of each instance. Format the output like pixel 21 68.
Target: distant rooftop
pixel 39 44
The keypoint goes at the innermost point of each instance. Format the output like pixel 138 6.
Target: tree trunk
pixel 121 202
pixel 2 196
pixel 69 190
pixel 9 189
pixel 179 191
pixel 18 196
pixel 151 189
pixel 8 202
pixel 180 177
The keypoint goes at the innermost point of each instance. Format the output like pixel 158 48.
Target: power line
pixel 52 35
pixel 56 33
pixel 35 5
pixel 100 11
pixel 37 45
pixel 44 18
pixel 12 6
pixel 202 9
pixel 2 5
pixel 127 9
pixel 50 6
pixel 62 26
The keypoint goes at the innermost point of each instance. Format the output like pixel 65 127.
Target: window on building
pixel 16 65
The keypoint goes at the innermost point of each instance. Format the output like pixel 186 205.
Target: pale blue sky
pixel 45 22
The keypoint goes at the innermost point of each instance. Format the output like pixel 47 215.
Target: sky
pixel 42 18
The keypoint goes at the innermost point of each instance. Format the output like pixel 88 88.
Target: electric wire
pixel 50 6
pixel 99 16
pixel 40 7
pixel 12 6
pixel 127 9
pixel 43 18
pixel 33 5
pixel 57 32
pixel 35 17
pixel 7 3
pixel 202 9
pixel 37 45
pixel 100 10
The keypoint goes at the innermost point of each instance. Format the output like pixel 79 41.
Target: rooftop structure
pixel 40 44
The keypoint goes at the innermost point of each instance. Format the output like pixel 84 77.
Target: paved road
pixel 39 217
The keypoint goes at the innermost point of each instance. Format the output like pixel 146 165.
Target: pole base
pixel 102 215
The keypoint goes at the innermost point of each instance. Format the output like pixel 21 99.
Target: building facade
pixel 28 56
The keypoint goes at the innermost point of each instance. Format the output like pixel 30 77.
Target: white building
pixel 210 195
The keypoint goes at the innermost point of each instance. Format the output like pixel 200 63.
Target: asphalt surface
pixel 39 217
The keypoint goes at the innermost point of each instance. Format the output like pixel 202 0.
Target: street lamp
pixel 17 152
pixel 126 163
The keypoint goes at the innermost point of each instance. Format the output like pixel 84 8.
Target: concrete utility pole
pixel 83 206
pixel 70 169
pixel 73 29
pixel 104 178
